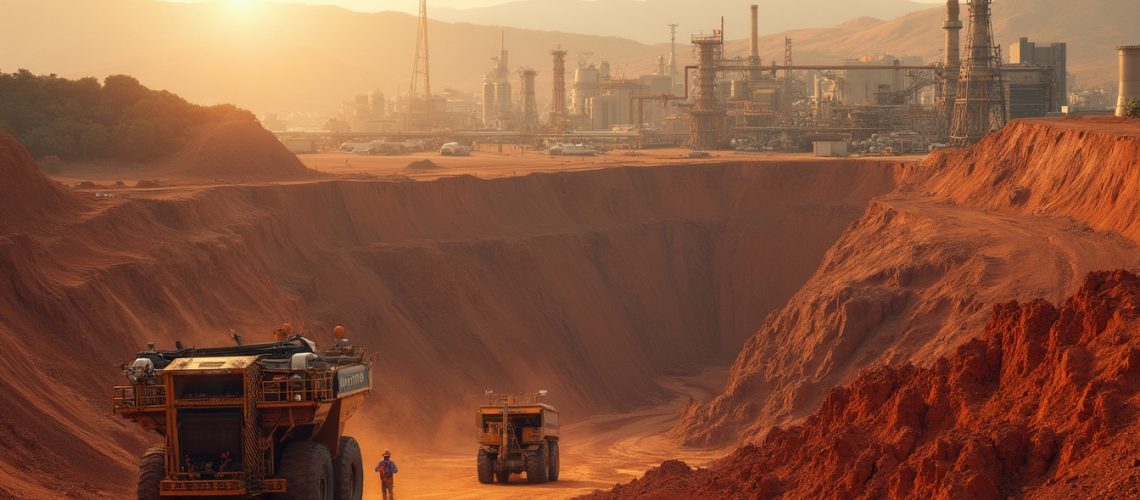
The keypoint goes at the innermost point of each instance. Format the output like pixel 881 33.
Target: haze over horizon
pixel 326 55
pixel 610 17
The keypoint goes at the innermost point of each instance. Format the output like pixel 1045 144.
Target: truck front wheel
pixel 152 468
pixel 485 467
pixel 348 469
pixel 308 472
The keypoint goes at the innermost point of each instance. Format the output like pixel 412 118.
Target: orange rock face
pixel 1041 404
pixel 1022 215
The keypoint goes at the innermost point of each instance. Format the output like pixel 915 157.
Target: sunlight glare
pixel 241 6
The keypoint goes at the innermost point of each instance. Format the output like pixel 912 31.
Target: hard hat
pixel 287 327
pixel 387 453
pixel 338 332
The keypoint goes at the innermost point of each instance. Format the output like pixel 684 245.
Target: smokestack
pixel 755 34
pixel 953 29
pixel 951 66
pixel 1129 77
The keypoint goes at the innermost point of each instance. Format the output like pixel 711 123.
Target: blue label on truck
pixel 353 380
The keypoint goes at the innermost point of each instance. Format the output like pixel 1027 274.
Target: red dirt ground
pixel 28 198
pixel 605 280
pixel 1042 404
pixel 235 151
pixel 600 285
pixel 918 272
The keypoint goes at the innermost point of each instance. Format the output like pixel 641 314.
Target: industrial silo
pixel 586 85
pixel 1129 77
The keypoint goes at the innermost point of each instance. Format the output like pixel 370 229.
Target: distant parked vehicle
pixel 381 148
pixel 572 150
pixel 454 149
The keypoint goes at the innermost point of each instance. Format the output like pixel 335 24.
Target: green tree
pixel 1132 108
pixel 118 119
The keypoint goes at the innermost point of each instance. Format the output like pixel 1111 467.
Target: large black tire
pixel 536 464
pixel 308 472
pixel 152 468
pixel 485 467
pixel 552 474
pixel 348 471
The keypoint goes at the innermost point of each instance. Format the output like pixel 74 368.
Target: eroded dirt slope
pixel 1041 404
pixel 1087 169
pixel 916 274
pixel 593 285
pixel 234 151
pixel 28 199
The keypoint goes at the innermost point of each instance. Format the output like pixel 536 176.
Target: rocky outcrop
pixel 1042 404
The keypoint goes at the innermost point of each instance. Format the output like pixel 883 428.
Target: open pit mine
pixel 766 268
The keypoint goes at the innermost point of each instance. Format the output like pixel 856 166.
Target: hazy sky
pixel 413 5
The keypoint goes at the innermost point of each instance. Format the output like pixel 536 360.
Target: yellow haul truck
pixel 517 433
pixel 258 420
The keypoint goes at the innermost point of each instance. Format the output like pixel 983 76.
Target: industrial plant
pixel 871 104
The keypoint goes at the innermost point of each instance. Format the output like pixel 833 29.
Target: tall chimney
pixel 755 33
pixel 754 55
pixel 952 66
pixel 953 61
pixel 1129 77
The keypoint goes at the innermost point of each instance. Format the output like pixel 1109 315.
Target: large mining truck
pixel 258 420
pixel 517 433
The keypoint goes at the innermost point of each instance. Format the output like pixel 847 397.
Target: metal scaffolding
pixel 979 107
pixel 559 121
pixel 419 108
pixel 706 128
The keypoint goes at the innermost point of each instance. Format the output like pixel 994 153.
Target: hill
pixel 1041 404
pixel 313 58
pixel 28 199
pixel 612 17
pixel 85 120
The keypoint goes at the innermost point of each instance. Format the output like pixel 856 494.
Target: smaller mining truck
pixel 258 420
pixel 517 433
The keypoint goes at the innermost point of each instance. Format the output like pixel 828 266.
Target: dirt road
pixel 596 453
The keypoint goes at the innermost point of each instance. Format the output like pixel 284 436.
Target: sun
pixel 241 6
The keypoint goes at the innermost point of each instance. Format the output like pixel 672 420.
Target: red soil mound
pixel 27 197
pixel 911 279
pixel 236 150
pixel 1042 404
pixel 1087 169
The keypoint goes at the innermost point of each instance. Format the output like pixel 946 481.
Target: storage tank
pixel 586 85
pixel 1129 77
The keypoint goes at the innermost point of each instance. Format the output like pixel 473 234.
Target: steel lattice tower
pixel 558 118
pixel 420 69
pixel 980 104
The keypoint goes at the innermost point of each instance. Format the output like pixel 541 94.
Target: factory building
pixel 498 106
pixel 1053 57
pixel 870 87
pixel 1030 91
pixel 365 112
pixel 600 102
